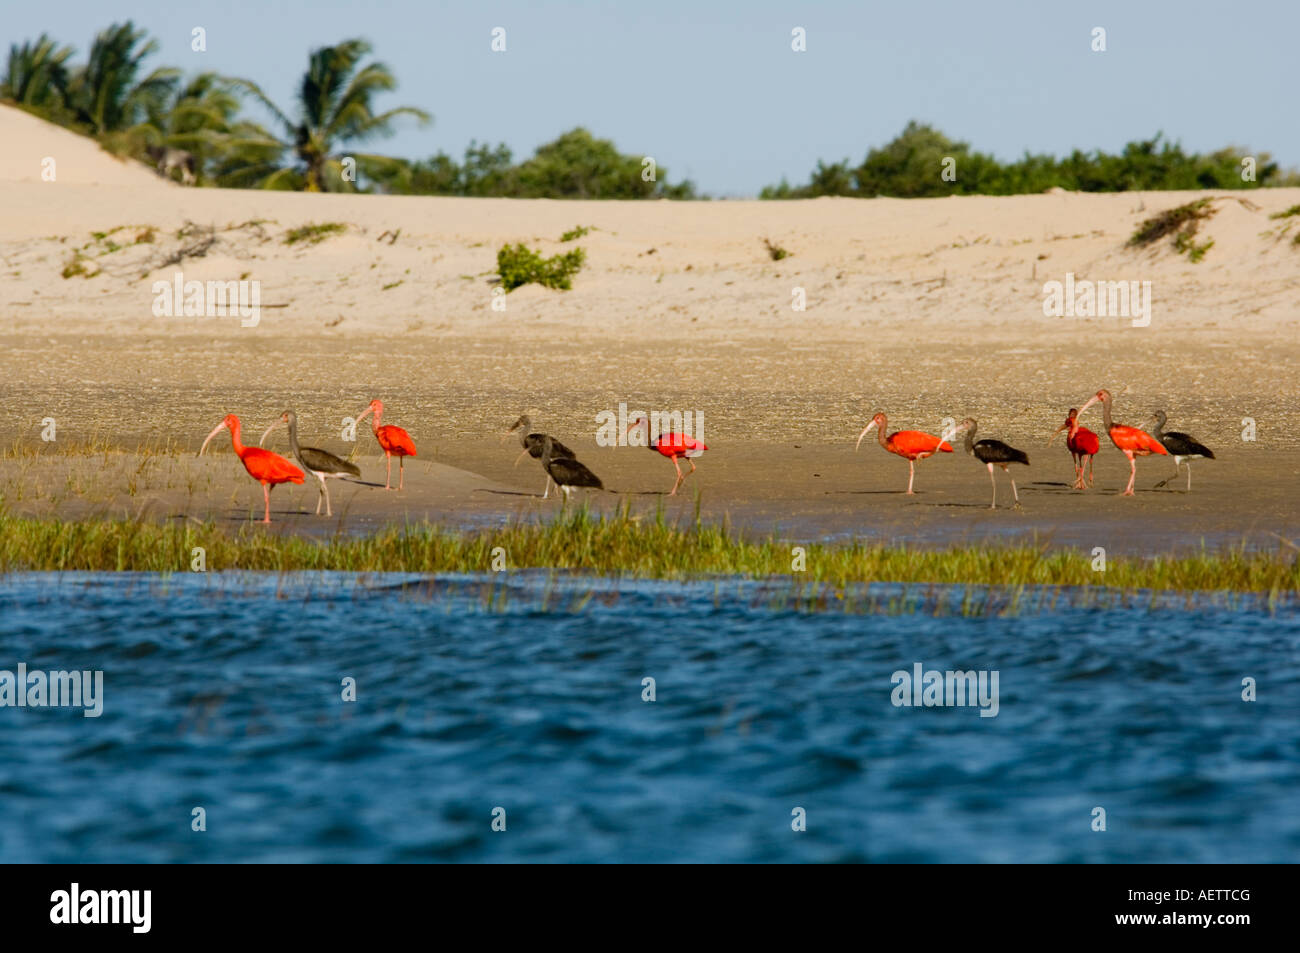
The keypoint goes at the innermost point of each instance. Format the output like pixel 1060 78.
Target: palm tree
pixel 36 75
pixel 334 107
pixel 202 118
pixel 105 94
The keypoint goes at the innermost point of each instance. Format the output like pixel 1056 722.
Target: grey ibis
pixel 1180 446
pixel 991 453
pixel 567 472
pixel 321 463
pixel 531 441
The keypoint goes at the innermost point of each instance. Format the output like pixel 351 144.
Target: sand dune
pixel 923 308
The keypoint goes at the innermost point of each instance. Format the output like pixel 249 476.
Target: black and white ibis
pixel 532 441
pixel 321 463
pixel 567 472
pixel 992 453
pixel 1180 446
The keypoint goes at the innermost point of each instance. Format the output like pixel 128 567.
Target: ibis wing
pixel 1181 445
pixel 322 461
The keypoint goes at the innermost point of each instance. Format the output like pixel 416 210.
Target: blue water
pixel 524 691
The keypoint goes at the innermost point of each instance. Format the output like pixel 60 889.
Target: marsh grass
pixel 620 545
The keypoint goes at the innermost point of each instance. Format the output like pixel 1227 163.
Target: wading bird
pixel 567 472
pixel 1180 446
pixel 671 445
pixel 321 463
pixel 395 442
pixel 267 468
pixel 1082 444
pixel 992 453
pixel 532 444
pixel 1132 441
pixel 911 445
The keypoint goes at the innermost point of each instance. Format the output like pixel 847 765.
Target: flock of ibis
pixel 565 471
pixel 1133 442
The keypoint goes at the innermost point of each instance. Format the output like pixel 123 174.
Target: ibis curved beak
pixel 865 431
pixel 951 432
pixel 1091 400
pixel 268 431
pixel 1063 426
pixel 521 456
pixel 215 430
pixel 365 413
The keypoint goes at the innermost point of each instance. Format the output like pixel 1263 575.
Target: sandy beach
pixel 923 309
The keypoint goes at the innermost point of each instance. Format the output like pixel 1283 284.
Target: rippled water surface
pixel 524 691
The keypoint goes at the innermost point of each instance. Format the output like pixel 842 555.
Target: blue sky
pixel 713 91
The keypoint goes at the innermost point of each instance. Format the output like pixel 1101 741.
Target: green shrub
pixel 520 265
pixel 576 232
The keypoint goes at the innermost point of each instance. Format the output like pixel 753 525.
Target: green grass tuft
pixel 313 233
pixel 1182 222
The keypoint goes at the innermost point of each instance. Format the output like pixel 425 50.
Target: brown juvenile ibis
pixel 321 463
pixel 1132 441
pixel 991 453
pixel 911 445
pixel 1180 446
pixel 532 441
pixel 567 472
pixel 1082 444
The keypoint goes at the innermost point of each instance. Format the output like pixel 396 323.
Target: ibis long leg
pixel 994 504
pixel 911 475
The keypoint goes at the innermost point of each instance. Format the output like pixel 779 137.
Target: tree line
pixel 914 163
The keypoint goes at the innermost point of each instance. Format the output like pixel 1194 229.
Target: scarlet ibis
pixel 532 444
pixel 671 445
pixel 1181 446
pixel 267 468
pixel 912 445
pixel 1081 442
pixel 992 453
pixel 1132 441
pixel 395 442
pixel 566 471
pixel 321 463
